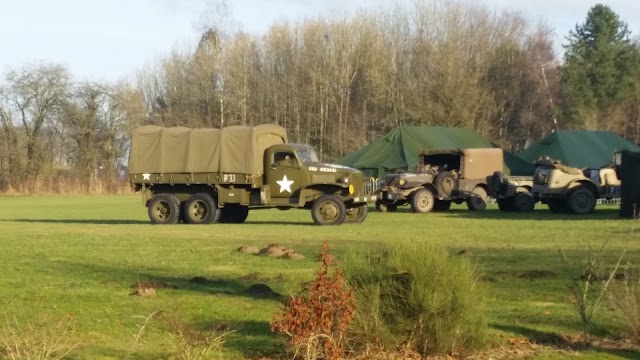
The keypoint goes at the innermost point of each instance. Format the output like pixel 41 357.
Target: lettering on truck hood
pixel 330 168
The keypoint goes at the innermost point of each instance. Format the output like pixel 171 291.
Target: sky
pixel 109 40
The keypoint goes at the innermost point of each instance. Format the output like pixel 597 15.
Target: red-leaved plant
pixel 316 323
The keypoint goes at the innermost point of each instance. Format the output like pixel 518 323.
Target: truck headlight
pixel 402 182
pixel 344 180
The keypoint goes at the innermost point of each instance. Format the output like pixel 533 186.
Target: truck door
pixel 285 177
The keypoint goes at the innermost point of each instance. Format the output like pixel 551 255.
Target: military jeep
pixel 569 189
pixel 512 193
pixel 441 177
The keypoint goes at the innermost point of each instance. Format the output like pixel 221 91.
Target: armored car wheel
pixel 422 201
pixel 478 200
pixel 328 210
pixel 234 214
pixel 581 201
pixel 523 202
pixel 357 214
pixel 164 209
pixel 200 209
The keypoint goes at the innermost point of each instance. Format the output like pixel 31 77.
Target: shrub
pixel 316 322
pixel 625 298
pixel 414 295
pixel 37 341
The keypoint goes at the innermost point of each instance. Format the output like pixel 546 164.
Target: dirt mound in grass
pixel 252 277
pixel 152 284
pixel 293 256
pixel 248 249
pixel 536 274
pixel 274 250
pixel 261 290
pixel 144 292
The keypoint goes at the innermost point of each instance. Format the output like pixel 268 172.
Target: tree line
pixel 337 83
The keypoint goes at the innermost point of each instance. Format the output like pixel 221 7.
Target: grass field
pixel 78 256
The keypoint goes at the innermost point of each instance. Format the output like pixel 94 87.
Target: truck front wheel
pixel 357 214
pixel 164 209
pixel 422 201
pixel 328 210
pixel 581 201
pixel 200 209
pixel 383 206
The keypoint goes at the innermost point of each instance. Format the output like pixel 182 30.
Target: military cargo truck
pixel 512 193
pixel 442 177
pixel 568 189
pixel 203 176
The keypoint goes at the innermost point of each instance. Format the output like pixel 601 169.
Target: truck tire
pixel 384 207
pixel 200 208
pixel 557 206
pixel 328 209
pixel 234 214
pixel 164 209
pixel 441 205
pixel 581 201
pixel 478 199
pixel 523 202
pixel 445 183
pixel 505 204
pixel 356 215
pixel 422 201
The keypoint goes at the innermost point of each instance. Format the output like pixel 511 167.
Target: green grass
pixel 78 255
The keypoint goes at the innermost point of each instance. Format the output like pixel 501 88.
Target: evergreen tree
pixel 600 68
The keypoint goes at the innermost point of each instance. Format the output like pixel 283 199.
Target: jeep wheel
pixel 164 209
pixel 524 202
pixel 383 207
pixel 557 206
pixel 422 201
pixel 478 199
pixel 234 214
pixel 581 201
pixel 445 182
pixel 328 210
pixel 200 209
pixel 442 205
pixel 505 204
pixel 357 214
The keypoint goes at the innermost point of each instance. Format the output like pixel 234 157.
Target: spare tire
pixel 445 183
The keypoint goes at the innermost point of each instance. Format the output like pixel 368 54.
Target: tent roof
pixel 578 148
pixel 400 147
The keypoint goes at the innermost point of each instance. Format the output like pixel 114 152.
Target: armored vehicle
pixel 565 188
pixel 442 177
pixel 203 176
pixel 512 193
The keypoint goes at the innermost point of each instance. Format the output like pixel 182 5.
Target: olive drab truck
pixel 442 177
pixel 512 193
pixel 204 176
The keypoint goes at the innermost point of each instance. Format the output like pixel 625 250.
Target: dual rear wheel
pixel 200 208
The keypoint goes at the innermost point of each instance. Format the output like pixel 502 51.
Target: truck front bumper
pixel 365 198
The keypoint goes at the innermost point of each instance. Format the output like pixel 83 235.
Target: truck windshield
pixel 308 155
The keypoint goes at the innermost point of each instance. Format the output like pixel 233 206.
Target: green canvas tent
pixel 398 150
pixel 578 148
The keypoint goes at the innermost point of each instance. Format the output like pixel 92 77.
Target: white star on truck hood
pixel 285 184
pixel 146 176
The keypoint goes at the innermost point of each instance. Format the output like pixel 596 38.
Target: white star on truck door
pixel 285 184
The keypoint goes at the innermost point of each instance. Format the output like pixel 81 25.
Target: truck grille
pixel 323 179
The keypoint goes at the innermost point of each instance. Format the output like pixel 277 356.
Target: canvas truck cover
pixel 234 149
